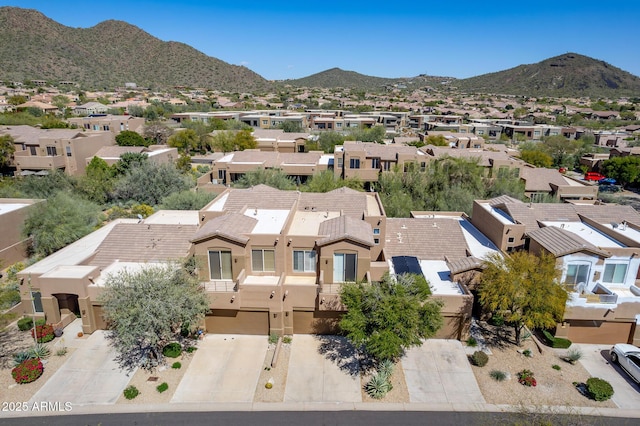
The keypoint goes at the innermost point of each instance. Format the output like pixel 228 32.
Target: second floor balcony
pixel 34 162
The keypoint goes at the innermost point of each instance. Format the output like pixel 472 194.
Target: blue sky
pixel 284 39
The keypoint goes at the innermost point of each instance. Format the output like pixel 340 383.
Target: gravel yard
pixel 14 340
pixel 164 374
pixel 277 374
pixel 554 387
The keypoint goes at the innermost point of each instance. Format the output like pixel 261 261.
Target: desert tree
pixel 130 138
pixel 147 308
pixel 63 219
pixel 7 148
pixel 387 317
pixel 149 183
pixel 524 289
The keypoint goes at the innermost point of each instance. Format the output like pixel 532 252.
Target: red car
pixel 595 176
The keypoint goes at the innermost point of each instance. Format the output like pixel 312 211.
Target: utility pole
pixel 33 307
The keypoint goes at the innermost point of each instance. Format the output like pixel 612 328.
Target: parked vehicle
pixel 628 357
pixel 607 181
pixel 595 176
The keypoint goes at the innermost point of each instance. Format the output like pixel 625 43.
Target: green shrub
pixel 162 387
pixel 191 349
pixel 39 351
pixel 273 338
pixel 172 350
pixel 498 375
pixel 25 323
pixel 131 392
pixel 479 358
pixel 20 357
pixel 471 341
pixel 41 321
pixel 378 386
pixel 556 367
pixel 27 371
pixel 599 389
pixel 176 365
pixel 556 342
pixel 287 339
pixel 497 320
pixel 527 353
pixel 62 351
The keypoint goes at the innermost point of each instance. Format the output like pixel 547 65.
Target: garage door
pixel 227 321
pixel 599 332
pixel 318 322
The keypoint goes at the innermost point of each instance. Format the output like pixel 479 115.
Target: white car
pixel 628 357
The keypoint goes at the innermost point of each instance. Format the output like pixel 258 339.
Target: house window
pixel 52 151
pixel 354 163
pixel 511 239
pixel 68 149
pixel 33 149
pixel 339 162
pixel 614 273
pixel 386 166
pixel 222 175
pixel 220 264
pixel 105 128
pixel 376 241
pixel 423 166
pixel 338 125
pixel 37 301
pixel 304 260
pixel 345 266
pixel 375 163
pixel 265 122
pixel 577 274
pixel 376 231
pixel 263 260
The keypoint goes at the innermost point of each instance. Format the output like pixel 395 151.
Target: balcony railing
pixel 221 286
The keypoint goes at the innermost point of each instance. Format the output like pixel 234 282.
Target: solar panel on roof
pixel 406 265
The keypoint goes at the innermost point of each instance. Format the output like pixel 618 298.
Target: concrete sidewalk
pixel 90 376
pixel 225 368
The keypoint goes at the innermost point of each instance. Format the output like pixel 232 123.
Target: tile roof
pixel 382 151
pixel 427 239
pixel 350 202
pixel 231 225
pixel 561 242
pixel 540 179
pixel 347 227
pixel 464 264
pixel 141 242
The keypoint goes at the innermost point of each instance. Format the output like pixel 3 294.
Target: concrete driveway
pixel 225 368
pixel 322 369
pixel 439 372
pixel 596 360
pixel 89 376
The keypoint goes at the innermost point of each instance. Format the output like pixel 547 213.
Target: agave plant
pixel 20 357
pixel 39 351
pixel 378 386
pixel 386 368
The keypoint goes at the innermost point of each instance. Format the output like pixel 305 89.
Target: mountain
pixel 336 77
pixel 107 55
pixel 570 74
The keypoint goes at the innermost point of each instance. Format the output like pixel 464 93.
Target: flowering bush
pixel 27 371
pixel 526 378
pixel 44 333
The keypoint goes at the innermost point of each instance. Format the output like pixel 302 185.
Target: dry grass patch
pixel 277 374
